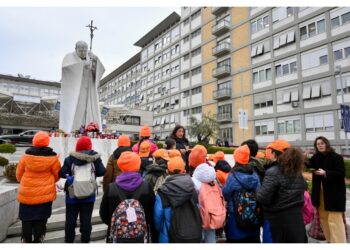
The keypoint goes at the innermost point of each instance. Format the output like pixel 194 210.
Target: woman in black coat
pixel 328 189
pixel 179 135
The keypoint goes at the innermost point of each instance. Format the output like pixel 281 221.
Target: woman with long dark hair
pixel 328 189
pixel 282 194
pixel 179 135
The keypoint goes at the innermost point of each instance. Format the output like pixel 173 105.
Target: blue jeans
pixel 209 236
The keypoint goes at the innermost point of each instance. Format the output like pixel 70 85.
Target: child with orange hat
pixel 155 173
pixel 197 156
pixel 112 169
pixel 128 185
pixel 242 178
pixel 177 190
pixel 145 155
pixel 145 135
pixel 222 167
pixel 37 174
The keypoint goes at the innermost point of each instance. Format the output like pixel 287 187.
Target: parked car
pixel 24 137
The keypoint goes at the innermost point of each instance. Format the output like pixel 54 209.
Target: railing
pixel 222 71
pixel 221 27
pixel 222 93
pixel 223 48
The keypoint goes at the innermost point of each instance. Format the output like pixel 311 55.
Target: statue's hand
pixel 87 64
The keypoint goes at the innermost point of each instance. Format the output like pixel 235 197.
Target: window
pixel 186 75
pixel 186 57
pixel 320 122
pixel 186 93
pixel 312 29
pixel 225 109
pixel 283 39
pixel 283 69
pixel 196 71
pixel 196 90
pixel 314 58
pixel 197 110
pixel 186 39
pixel 186 21
pixel 281 13
pixel 262 75
pixel 260 49
pixel 263 101
pixel 289 127
pixel 186 112
pixel 260 24
pixel 195 33
pixel 345 18
pixel 346 84
pixel 317 89
pixel 335 22
pixel 287 95
pixel 226 62
pixel 341 49
pixel 264 128
pixel 196 52
pixel 195 15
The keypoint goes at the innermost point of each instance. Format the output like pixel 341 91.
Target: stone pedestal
pixel 8 208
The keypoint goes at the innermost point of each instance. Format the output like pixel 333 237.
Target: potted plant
pixel 10 172
pixel 6 150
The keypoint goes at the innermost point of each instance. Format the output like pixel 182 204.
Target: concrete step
pixel 55 222
pixel 98 234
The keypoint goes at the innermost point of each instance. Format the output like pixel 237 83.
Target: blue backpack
pixel 247 210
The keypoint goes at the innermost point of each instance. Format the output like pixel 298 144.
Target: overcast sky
pixel 34 40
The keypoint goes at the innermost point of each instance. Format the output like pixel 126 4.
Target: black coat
pixel 181 143
pixel 334 190
pixel 280 192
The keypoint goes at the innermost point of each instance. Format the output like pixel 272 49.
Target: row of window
pixel 193 111
pixel 192 17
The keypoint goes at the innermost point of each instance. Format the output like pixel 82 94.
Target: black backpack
pixel 185 223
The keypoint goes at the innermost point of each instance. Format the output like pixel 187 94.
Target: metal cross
pixel 92 28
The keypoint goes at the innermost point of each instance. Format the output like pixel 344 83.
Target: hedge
pixel 7 148
pixel 3 161
pixel 213 150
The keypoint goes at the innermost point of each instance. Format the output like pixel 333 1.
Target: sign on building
pixel 243 119
pixel 345 116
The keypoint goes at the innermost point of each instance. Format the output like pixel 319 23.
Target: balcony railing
pixel 224 117
pixel 222 71
pixel 222 94
pixel 221 28
pixel 222 49
pixel 218 10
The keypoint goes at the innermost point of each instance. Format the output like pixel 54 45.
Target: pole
pixel 339 70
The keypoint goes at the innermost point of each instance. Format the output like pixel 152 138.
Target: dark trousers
pixel 36 228
pixel 250 239
pixel 84 210
pixel 288 227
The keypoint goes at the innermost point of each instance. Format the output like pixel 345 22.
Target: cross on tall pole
pixel 92 29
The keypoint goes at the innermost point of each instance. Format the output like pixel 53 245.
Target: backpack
pixel 128 222
pixel 185 223
pixel 212 206
pixel 155 181
pixel 84 183
pixel 247 210
pixel 308 209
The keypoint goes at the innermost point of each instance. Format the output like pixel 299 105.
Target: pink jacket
pixel 135 148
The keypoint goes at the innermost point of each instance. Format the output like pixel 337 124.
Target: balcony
pixel 221 28
pixel 224 117
pixel 222 94
pixel 222 71
pixel 218 10
pixel 222 49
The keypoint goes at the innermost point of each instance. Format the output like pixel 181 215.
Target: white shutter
pixel 316 91
pixel 309 122
pixel 283 39
pixel 328 120
pixel 253 52
pixel 260 49
pixel 271 126
pixel 276 42
pixel 291 36
pixel 295 95
pixel 307 92
pixel 286 96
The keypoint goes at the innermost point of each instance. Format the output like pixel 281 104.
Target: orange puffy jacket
pixel 37 176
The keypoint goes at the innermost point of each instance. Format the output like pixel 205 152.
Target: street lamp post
pixel 338 70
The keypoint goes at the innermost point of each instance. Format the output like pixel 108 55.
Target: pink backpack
pixel 212 206
pixel 308 210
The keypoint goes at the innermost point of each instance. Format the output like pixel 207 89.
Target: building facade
pixel 284 67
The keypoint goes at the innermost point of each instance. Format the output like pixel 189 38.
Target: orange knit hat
pixel 268 152
pixel 145 149
pixel 197 156
pixel 174 153
pixel 129 162
pixel 241 155
pixel 41 139
pixel 161 153
pixel 145 131
pixel 124 141
pixel 260 155
pixel 279 145
pixel 218 156
pixel 176 163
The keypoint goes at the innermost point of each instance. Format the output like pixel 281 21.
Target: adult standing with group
pixel 329 190
pixel 182 144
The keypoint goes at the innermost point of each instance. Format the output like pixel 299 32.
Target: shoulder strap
pixel 136 195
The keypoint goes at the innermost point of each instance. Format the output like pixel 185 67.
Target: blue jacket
pixel 80 158
pixel 162 218
pixel 249 180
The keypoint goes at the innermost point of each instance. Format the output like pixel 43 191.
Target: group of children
pixel 150 195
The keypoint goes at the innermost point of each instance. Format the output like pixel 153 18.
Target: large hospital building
pixel 285 68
